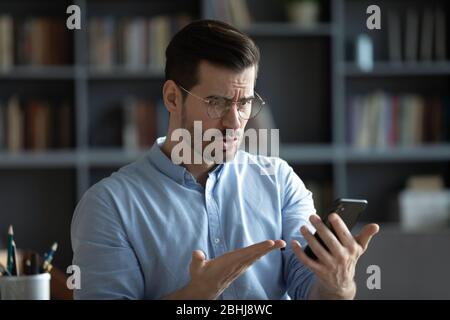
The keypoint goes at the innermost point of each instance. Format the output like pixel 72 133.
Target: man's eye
pixel 245 103
pixel 213 102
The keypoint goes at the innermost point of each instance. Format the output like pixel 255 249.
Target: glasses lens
pixel 252 110
pixel 218 107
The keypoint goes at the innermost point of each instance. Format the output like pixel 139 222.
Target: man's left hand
pixel 335 269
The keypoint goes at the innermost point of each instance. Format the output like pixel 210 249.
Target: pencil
pixel 49 257
pixel 15 264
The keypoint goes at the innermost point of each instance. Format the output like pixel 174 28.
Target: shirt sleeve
pixel 108 265
pixel 297 207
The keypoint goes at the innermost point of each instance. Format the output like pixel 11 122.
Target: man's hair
pixel 216 42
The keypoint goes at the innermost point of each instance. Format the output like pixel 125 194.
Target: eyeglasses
pixel 218 107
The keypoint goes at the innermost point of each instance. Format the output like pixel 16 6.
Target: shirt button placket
pixel 213 218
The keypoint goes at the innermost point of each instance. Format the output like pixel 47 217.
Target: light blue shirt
pixel 133 233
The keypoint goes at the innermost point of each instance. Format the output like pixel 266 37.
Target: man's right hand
pixel 209 278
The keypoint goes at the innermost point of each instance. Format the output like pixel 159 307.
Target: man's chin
pixel 227 152
pixel 226 155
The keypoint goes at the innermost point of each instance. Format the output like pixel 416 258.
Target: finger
pixel 277 245
pixel 340 228
pixel 320 252
pixel 198 260
pixel 307 261
pixel 280 244
pixel 245 265
pixel 253 251
pixel 245 257
pixel 364 237
pixel 327 236
pixel 235 263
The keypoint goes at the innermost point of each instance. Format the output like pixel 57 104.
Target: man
pixel 206 230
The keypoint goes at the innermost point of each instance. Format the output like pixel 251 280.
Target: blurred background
pixel 362 114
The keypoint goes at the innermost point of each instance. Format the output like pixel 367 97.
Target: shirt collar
pixel 176 172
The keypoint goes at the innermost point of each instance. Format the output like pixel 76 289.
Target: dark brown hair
pixel 216 42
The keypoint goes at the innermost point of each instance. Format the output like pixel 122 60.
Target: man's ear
pixel 172 97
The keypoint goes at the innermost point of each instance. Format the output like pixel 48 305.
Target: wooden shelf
pixel 30 159
pixel 382 69
pixel 125 73
pixel 307 153
pixel 414 153
pixel 287 30
pixel 38 72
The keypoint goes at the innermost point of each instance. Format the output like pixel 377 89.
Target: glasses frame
pixel 208 101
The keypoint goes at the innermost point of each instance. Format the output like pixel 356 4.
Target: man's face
pixel 219 82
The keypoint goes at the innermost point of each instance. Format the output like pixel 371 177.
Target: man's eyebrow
pixel 222 97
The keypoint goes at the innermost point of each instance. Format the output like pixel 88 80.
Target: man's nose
pixel 231 119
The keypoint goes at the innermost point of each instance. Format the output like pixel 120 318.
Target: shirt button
pixel 216 240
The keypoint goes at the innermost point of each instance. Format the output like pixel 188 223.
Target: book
pixel 139 124
pixel 2 126
pixel 132 42
pixel 38 128
pixel 426 36
pixel 411 35
pixel 394 37
pixel 42 41
pixel 146 123
pixel 239 12
pixel 15 125
pixel 6 42
pixel 381 120
pixel 129 131
pixel 102 44
pixel 159 40
pixel 441 35
pixel 63 127
pixel 135 54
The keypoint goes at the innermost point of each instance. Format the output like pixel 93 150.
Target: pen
pixel 47 267
pixel 10 259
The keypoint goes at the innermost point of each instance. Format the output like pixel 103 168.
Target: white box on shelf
pixel 422 210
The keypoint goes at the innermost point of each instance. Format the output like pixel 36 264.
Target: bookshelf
pixel 307 75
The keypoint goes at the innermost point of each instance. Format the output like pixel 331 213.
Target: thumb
pixel 364 237
pixel 198 260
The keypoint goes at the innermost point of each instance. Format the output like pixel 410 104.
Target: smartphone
pixel 348 209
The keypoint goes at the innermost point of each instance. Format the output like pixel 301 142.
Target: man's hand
pixel 335 268
pixel 209 278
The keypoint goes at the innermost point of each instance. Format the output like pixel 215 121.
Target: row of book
pixel 135 42
pixel 381 120
pixel 33 41
pixel 304 13
pixel 417 35
pixel 35 125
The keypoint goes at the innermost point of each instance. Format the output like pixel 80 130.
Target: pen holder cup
pixel 33 287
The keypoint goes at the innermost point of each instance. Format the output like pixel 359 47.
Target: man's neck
pixel 198 171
